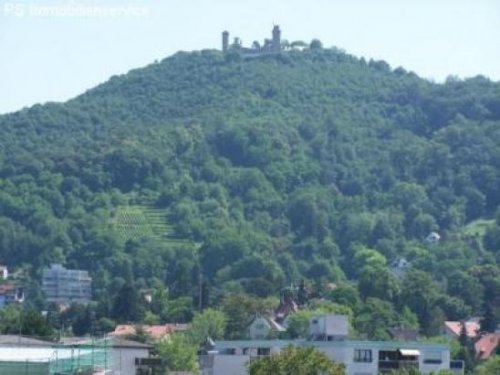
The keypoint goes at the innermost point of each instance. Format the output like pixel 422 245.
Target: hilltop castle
pixel 269 46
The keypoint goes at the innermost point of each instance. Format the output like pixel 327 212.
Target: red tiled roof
pixel 4 288
pixel 485 347
pixel 156 331
pixel 471 328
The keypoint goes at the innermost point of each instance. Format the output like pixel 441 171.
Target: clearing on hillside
pixel 133 222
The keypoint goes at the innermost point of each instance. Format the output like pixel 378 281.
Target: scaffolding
pixel 90 357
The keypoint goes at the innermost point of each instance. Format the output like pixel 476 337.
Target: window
pixel 432 361
pixel 263 351
pixel 363 355
pixel 433 358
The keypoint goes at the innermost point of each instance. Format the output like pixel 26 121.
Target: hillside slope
pixel 309 165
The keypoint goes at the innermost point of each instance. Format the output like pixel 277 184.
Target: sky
pixel 54 50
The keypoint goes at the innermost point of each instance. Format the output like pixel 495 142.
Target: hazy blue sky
pixel 54 50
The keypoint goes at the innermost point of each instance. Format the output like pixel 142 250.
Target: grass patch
pixel 478 227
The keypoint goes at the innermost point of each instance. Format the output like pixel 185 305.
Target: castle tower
pixel 276 38
pixel 225 40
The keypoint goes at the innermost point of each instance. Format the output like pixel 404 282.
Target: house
pixel 128 356
pixel 10 293
pixel 329 335
pixel 487 345
pixel 286 307
pixel 4 272
pixel 263 327
pixel 64 286
pixel 452 329
pixel 123 357
pixel 433 237
pixel 399 267
pixel 155 331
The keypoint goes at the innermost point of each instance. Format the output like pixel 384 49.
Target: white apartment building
pixel 329 335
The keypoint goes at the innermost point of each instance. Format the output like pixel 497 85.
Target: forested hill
pixel 258 173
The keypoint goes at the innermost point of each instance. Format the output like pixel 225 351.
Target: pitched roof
pixel 119 342
pixel 286 307
pixel 486 346
pixel 273 324
pixel 155 331
pixel 16 340
pixel 471 328
pixel 5 288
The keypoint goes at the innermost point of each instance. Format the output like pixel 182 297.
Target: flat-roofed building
pixel 329 334
pixel 64 286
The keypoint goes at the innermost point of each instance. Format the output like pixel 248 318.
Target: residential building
pixel 263 327
pixel 64 286
pixel 433 237
pixel 124 357
pixel 4 272
pixel 487 345
pixel 359 357
pixel 399 267
pixel 453 329
pixel 286 307
pixel 10 293
pixel 328 334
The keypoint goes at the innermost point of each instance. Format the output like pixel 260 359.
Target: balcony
pixel 390 365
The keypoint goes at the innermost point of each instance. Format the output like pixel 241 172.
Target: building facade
pixel 359 357
pixel 329 334
pixel 10 293
pixel 64 286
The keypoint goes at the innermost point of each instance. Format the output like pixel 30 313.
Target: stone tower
pixel 225 40
pixel 276 38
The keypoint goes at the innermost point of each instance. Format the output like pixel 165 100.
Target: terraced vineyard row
pixel 137 221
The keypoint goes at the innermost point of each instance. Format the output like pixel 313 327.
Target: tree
pixel 488 322
pixel 128 305
pixel 296 361
pixel 375 318
pixel 466 351
pixel 298 323
pixel 34 324
pixel 210 323
pixel 490 367
pixel 377 281
pixel 316 44
pixel 420 294
pixel 177 353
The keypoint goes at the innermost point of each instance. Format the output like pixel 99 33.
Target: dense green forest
pixel 242 178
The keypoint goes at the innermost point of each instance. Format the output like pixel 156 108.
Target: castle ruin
pixel 270 45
